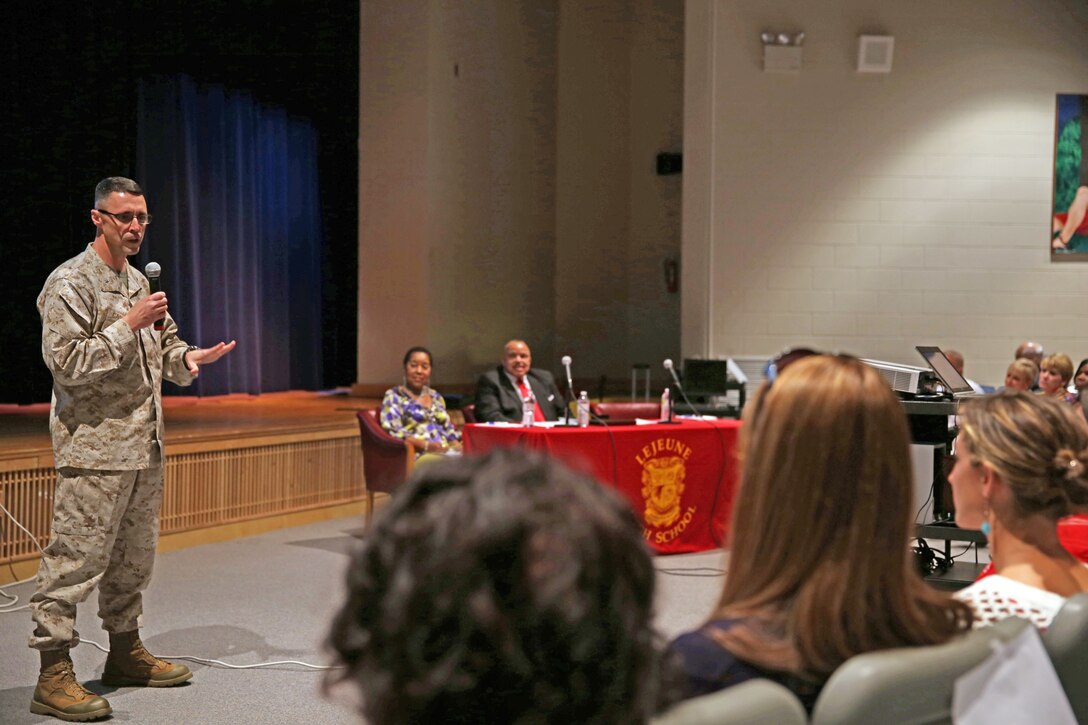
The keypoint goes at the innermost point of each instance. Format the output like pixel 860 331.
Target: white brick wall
pixel 874 213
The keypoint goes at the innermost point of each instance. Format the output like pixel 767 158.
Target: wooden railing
pixel 208 483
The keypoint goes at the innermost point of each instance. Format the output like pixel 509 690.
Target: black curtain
pixel 233 188
pixel 71 117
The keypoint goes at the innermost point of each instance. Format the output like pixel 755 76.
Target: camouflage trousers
pixel 105 530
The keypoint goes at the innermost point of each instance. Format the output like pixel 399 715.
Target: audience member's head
pixel 1035 449
pixel 516 358
pixel 501 589
pixel 819 567
pixel 956 358
pixel 1080 379
pixel 1021 374
pixel 1031 350
pixel 1055 373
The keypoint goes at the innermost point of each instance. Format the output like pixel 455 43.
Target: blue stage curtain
pixel 233 189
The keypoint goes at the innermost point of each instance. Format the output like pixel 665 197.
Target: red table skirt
pixel 679 478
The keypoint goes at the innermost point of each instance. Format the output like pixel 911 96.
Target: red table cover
pixel 679 478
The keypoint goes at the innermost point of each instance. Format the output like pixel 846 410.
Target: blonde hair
pixel 1060 363
pixel 819 568
pixel 1025 369
pixel 1035 444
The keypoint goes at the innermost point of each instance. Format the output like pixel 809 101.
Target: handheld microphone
pixel 570 386
pixel 153 271
pixel 676 379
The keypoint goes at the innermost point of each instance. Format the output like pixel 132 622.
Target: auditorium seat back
pixel 626 411
pixel 469 411
pixel 908 684
pixel 1066 642
pixel 387 461
pixel 759 702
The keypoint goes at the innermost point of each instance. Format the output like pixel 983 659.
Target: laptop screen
pixel 953 381
pixel 706 377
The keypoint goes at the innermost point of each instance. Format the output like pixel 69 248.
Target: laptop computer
pixel 953 382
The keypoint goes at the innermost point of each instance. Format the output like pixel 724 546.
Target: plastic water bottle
pixel 528 407
pixel 583 409
pixel 666 405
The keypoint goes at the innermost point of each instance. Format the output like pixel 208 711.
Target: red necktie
pixel 538 414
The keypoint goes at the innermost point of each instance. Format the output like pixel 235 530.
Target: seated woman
pixel 500 589
pixel 1080 382
pixel 1021 463
pixel 1021 374
pixel 1055 372
pixel 415 412
pixel 818 564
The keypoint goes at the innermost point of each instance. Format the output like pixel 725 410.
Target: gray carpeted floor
pixel 259 599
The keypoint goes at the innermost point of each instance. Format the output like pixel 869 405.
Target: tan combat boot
pixel 59 693
pixel 129 664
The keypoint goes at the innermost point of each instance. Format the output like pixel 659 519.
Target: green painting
pixel 1069 220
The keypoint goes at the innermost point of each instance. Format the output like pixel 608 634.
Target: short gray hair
pixel 115 184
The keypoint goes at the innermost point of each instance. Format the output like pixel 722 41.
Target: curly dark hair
pixel 500 589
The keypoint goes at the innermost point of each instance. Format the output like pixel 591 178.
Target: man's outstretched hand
pixel 205 355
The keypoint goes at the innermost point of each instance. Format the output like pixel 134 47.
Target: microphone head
pixel 152 269
pixel 668 363
pixel 566 360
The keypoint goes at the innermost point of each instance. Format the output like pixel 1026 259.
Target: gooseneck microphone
pixel 153 272
pixel 570 388
pixel 672 371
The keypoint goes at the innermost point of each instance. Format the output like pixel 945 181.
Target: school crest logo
pixel 662 487
pixel 664 463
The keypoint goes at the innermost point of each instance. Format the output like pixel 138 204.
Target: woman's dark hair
pixel 500 589
pixel 413 350
pixel 1080 367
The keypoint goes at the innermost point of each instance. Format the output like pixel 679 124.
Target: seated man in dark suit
pixel 500 392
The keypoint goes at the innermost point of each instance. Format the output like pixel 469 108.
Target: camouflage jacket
pixel 107 380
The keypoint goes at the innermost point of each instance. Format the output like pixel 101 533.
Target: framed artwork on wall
pixel 1069 215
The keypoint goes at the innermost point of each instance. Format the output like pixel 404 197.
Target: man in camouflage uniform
pixel 108 362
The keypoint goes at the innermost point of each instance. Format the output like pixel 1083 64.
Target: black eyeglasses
pixel 126 217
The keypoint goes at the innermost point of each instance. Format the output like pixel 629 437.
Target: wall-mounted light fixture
pixel 782 51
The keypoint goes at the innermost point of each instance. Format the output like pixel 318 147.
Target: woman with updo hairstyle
pixel 819 564
pixel 1021 463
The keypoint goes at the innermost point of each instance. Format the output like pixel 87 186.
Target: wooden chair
pixel 759 702
pixel 626 411
pixel 387 461
pixel 1066 641
pixel 907 684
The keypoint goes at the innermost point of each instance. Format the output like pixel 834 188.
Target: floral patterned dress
pixel 403 416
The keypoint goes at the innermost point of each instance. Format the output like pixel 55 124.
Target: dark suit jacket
pixel 498 400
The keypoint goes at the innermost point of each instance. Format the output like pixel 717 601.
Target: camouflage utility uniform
pixel 106 423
